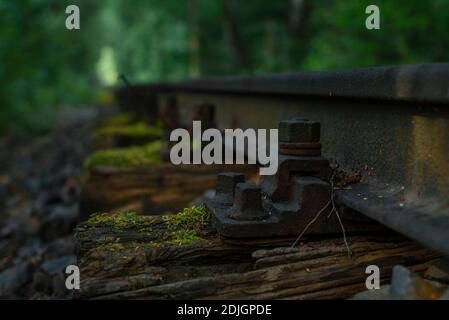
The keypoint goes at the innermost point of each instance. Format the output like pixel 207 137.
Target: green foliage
pixel 135 130
pixel 140 156
pixel 408 30
pixel 192 218
pixel 45 67
pixel 123 220
pixel 180 237
pixel 183 227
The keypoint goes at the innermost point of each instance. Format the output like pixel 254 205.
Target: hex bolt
pixel 226 183
pixel 299 130
pixel 248 203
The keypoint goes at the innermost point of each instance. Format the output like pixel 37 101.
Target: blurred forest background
pixel 45 67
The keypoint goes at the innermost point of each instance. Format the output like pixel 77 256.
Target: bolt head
pixel 248 196
pixel 248 203
pixel 299 130
pixel 226 182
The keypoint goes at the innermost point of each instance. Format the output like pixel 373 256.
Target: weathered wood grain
pixel 214 268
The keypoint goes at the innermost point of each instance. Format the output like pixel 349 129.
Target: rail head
pixel 409 83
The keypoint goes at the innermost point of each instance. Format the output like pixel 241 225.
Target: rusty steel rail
pixel 390 124
pixel 426 83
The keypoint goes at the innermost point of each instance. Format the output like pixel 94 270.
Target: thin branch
pixel 310 223
pixel 333 210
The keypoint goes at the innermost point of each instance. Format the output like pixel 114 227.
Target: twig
pixel 310 223
pixel 333 210
pixel 348 248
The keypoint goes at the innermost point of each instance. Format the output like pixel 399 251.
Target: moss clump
pixel 101 250
pixel 193 218
pixel 114 247
pixel 183 227
pixel 182 237
pixel 178 237
pixel 124 220
pixel 140 156
pixel 139 130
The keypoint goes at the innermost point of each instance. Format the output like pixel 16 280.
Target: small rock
pixel 29 250
pixel 60 247
pixel 10 228
pixel 406 285
pixel 378 294
pixel 60 222
pixel 57 266
pixel 71 190
pixel 42 283
pixel 59 288
pixel 15 278
pixel 51 198
pixel 33 184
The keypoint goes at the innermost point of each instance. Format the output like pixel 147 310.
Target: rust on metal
pixel 286 201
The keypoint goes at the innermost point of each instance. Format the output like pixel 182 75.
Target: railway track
pixel 390 125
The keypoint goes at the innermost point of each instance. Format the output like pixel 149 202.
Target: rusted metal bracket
pixel 284 203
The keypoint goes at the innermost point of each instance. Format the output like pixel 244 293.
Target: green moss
pixel 140 156
pixel 183 227
pixel 139 130
pixel 108 247
pixel 101 250
pixel 124 220
pixel 192 218
pixel 178 237
pixel 182 237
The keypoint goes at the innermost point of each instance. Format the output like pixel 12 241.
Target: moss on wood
pixel 177 237
pixel 137 156
pixel 139 130
pixel 184 227
pixel 112 247
pixel 125 220
pixel 193 218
